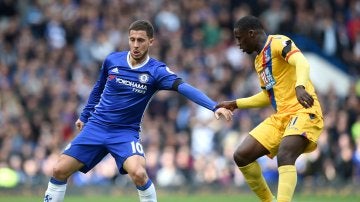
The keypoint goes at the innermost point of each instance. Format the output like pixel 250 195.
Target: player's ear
pixel 151 41
pixel 251 33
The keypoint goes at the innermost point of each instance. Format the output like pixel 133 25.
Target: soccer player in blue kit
pixel 110 122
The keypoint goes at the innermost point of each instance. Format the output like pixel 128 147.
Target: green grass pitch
pixel 168 197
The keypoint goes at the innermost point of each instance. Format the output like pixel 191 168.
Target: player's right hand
pixel 230 105
pixel 79 124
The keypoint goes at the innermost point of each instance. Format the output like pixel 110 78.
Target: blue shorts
pixel 94 142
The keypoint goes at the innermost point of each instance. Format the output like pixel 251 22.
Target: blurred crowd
pixel 51 52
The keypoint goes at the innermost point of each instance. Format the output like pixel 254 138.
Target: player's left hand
pixel 223 112
pixel 304 98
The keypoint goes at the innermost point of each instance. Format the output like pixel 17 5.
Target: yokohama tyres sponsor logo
pixel 131 84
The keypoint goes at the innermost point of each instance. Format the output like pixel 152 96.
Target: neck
pixel 262 40
pixel 135 62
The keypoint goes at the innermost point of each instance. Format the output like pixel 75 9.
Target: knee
pixel 286 158
pixel 138 176
pixel 60 173
pixel 240 158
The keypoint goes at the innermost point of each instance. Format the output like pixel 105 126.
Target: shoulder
pixel 156 63
pixel 284 45
pixel 279 42
pixel 115 59
pixel 279 37
pixel 159 68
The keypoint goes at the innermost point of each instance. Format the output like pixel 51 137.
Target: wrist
pixel 83 119
pixel 214 108
pixel 237 103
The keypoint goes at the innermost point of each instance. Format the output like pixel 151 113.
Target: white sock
pixel 147 192
pixel 55 191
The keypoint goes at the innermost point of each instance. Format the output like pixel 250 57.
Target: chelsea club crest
pixel 143 78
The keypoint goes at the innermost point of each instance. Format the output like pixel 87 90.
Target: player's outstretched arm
pixel 201 99
pixel 256 101
pixel 196 96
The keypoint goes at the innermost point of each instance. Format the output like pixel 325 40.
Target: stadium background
pixel 51 52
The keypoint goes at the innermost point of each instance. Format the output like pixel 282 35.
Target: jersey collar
pixel 139 65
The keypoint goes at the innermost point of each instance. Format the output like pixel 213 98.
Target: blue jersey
pixel 116 106
pixel 122 92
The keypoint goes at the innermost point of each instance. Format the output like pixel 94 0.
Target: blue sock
pixel 145 186
pixel 58 182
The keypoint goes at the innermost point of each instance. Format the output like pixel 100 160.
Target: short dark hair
pixel 248 22
pixel 143 25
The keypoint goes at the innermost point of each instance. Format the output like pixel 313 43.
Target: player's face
pixel 139 44
pixel 245 40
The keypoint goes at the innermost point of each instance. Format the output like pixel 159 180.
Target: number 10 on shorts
pixel 136 147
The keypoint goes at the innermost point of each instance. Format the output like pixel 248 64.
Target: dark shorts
pixel 94 142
